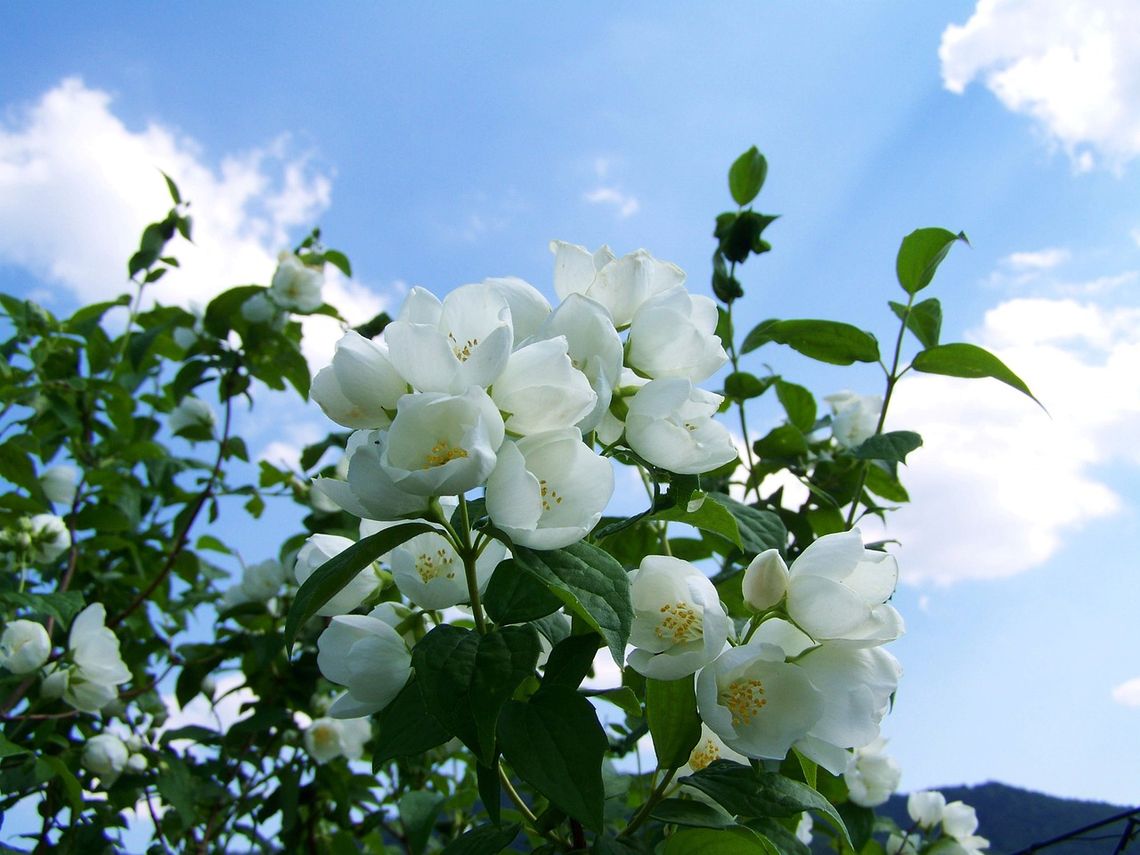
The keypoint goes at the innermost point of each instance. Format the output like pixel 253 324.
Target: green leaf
pixel 484 840
pixel 338 260
pixel 592 585
pixel 708 841
pixel 406 729
pixel 893 446
pixel 465 678
pixel 674 724
pixel 783 441
pixel 746 176
pixel 490 790
pixel 920 254
pixel 741 386
pixel 860 822
pixel 968 360
pixel 710 515
pixel 67 780
pixel 833 342
pixel 759 529
pixel 555 743
pixel 924 320
pixel 691 813
pixel 516 596
pixel 570 661
pixel 744 792
pixel 798 403
pixel 9 748
pixel 328 579
pixel 418 810
pixel 173 188
pixel 880 482
pixel 62 606
pixel 225 309
pixel 782 838
pixel 622 697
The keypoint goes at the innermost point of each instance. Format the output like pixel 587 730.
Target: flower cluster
pixel 948 827
pixel 810 672
pixel 93 669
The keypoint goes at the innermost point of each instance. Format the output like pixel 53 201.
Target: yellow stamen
pixel 432 566
pixel 462 352
pixel 442 452
pixel 703 755
pixel 549 494
pixel 744 699
pixel 680 623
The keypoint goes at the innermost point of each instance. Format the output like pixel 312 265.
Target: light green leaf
pixel 924 320
pixel 920 254
pixel 746 176
pixel 691 813
pixel 968 360
pixel 728 841
pixel 833 342
pixel 741 386
pixel 711 515
pixel 798 403
pixel 674 724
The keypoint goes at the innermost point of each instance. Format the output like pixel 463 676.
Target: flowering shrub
pixel 422 666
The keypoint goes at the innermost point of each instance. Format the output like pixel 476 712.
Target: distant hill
pixel 1014 819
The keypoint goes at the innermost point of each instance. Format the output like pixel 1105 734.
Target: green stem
pixel 650 803
pixel 470 556
pixel 734 359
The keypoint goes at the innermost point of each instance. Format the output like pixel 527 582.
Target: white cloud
pixel 1072 65
pixel 77 186
pixel 625 205
pixel 1044 259
pixel 999 485
pixel 1128 693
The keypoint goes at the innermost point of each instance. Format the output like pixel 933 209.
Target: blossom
pixel 447 347
pixel 679 625
pixel 24 646
pixel 328 738
pixel 670 424
pixel 49 536
pixel 756 702
pixel 708 750
pixel 959 820
pixel 838 590
pixel 59 483
pixel 871 775
pixel 259 583
pixel 361 387
pixel 320 548
pixel 854 417
pixel 96 668
pixel 548 490
pixel 925 807
pixel 106 756
pixel 540 389
pixel 428 571
pixel 619 284
pixel 295 285
pixel 673 334
pixel 369 658
pixel 442 445
pixel 765 581
pixel 368 490
pixel 192 418
pixel 529 309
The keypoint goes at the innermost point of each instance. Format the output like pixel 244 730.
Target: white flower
pixel 756 702
pixel 529 309
pixel 59 483
pixel 679 625
pixel 192 414
pixel 447 347
pixel 548 490
pixel 708 750
pixel 136 763
pixel 106 756
pixel 261 582
pixel 619 284
pixel 394 614
pixel 49 537
pixel 839 590
pixel 594 347
pixel 898 844
pixel 959 820
pixel 320 548
pixel 442 445
pixel 97 668
pixel 361 387
pixel 674 335
pixel 329 738
pixel 925 808
pixel 369 491
pixel 24 646
pixel 296 286
pixel 259 309
pixel 871 775
pixel 670 424
pixel 541 390
pixel 428 571
pixel 765 581
pixel 854 417
pixel 368 657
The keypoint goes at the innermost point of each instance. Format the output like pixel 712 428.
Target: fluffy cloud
pixel 999 484
pixel 623 204
pixel 1069 64
pixel 77 186
pixel 1128 693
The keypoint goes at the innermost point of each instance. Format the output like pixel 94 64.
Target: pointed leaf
pixel 893 446
pixel 924 320
pixel 798 403
pixel 968 360
pixel 674 724
pixel 833 342
pixel 418 810
pixel 920 254
pixel 746 176
pixel 759 529
pixel 484 840
pixel 516 596
pixel 709 841
pixel 406 727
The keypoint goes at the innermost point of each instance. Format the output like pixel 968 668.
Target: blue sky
pixel 441 145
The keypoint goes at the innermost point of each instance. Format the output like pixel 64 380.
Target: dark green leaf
pixel 860 822
pixel 882 483
pixel 338 260
pixel 691 813
pixel 924 320
pixel 708 841
pixel 893 446
pixel 67 780
pixel 465 678
pixel 724 285
pixel 515 596
pixel 782 838
pixel 674 724
pixel 591 584
pixel 759 529
pixel 490 790
pixel 968 360
pixel 418 810
pixel 740 385
pixel 709 515
pixel 798 403
pixel 570 661
pixel 485 840
pixel 783 441
pixel 920 254
pixel 555 743
pixel 746 176
pixel 406 729
pixel 328 579
pixel 173 188
pixel 62 606
pixel 833 342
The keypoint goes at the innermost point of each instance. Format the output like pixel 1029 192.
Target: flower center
pixel 703 755
pixel 431 566
pixel 462 351
pixel 325 737
pixel 548 495
pixel 744 698
pixel 442 452
pixel 680 622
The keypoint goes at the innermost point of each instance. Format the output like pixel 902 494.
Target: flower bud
pixel 925 807
pixel 296 286
pixel 105 755
pixel 765 581
pixel 24 646
pixel 49 537
pixel 192 414
pixel 58 483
